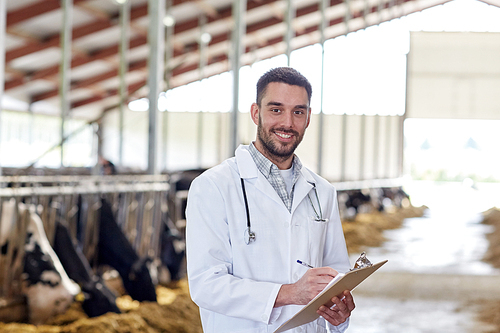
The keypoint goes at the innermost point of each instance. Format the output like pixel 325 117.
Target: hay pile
pixel 492 217
pixel 490 310
pixel 490 313
pixel 367 228
pixel 173 313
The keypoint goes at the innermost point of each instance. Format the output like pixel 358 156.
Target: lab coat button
pixel 286 224
pixel 299 329
pixel 264 317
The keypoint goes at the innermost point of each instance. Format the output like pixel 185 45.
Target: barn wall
pixel 454 75
pixel 372 148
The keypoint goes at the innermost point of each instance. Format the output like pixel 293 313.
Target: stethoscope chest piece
pixel 249 236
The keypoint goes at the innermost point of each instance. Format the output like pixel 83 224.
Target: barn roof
pixel 33 53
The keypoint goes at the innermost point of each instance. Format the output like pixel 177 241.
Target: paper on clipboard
pixel 341 282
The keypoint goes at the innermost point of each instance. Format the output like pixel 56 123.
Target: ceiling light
pixel 205 38
pixel 120 2
pixel 169 20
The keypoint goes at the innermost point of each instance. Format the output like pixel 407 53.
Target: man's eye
pixel 299 112
pixel 275 110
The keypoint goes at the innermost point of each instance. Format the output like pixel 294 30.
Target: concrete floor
pixel 435 278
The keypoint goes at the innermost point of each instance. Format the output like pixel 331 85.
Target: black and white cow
pixel 48 289
pixel 116 251
pixel 99 299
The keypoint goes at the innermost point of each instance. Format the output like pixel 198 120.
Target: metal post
pixel 65 67
pixel 169 54
pixel 366 12
pixel 402 118
pixel 290 14
pixel 239 7
pixel 362 148
pixel 401 144
pixel 376 148
pixel 388 154
pixel 3 25
pixel 347 16
pixel 124 26
pixel 321 125
pixel 156 13
pixel 393 8
pixel 380 7
pixel 203 62
pixel 343 158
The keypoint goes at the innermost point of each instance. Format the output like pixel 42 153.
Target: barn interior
pixel 110 108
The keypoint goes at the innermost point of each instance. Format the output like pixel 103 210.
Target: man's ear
pixel 254 113
pixel 308 117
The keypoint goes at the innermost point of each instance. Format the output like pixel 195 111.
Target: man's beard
pixel 275 149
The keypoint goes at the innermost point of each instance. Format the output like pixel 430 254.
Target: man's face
pixel 281 121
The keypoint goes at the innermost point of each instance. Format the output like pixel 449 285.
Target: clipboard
pixel 341 282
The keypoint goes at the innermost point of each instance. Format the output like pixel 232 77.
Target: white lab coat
pixel 235 284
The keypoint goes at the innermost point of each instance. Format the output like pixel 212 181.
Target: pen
pixel 304 264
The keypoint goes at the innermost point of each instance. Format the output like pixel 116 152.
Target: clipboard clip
pixel 362 262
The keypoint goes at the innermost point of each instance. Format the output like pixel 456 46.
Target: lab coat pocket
pixel 317 236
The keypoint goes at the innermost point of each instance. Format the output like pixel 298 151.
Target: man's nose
pixel 287 120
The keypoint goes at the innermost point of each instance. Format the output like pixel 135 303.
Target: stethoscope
pixel 249 235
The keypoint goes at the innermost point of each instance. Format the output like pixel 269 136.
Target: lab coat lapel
pixel 303 186
pixel 248 170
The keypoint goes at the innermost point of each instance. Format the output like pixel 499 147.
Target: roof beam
pixel 110 51
pixel 28 12
pixel 138 65
pixel 78 60
pixel 215 39
pixel 79 32
pixel 112 92
pixel 100 24
pixel 254 27
pixel 136 13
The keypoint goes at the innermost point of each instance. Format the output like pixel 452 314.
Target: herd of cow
pixel 57 273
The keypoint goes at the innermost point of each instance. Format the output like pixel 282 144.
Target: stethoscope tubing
pixel 248 231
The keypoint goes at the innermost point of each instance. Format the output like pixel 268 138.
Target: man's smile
pixel 283 135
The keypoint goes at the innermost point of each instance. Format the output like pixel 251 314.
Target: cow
pixel 116 251
pixel 173 245
pixel 98 298
pixel 48 289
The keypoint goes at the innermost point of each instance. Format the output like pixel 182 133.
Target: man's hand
pixel 341 310
pixel 305 289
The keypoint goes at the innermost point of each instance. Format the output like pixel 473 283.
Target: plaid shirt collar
pixel 272 174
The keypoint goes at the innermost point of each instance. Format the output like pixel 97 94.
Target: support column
pixel 124 44
pixel 239 7
pixel 3 25
pixel 376 148
pixel 203 45
pixel 380 8
pixel 343 158
pixel 169 23
pixel 366 12
pixel 347 16
pixel 388 132
pixel 290 14
pixel 401 145
pixel 321 125
pixel 156 13
pixel 401 136
pixel 362 149
pixel 65 67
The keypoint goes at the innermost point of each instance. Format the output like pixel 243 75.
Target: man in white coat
pixel 252 217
